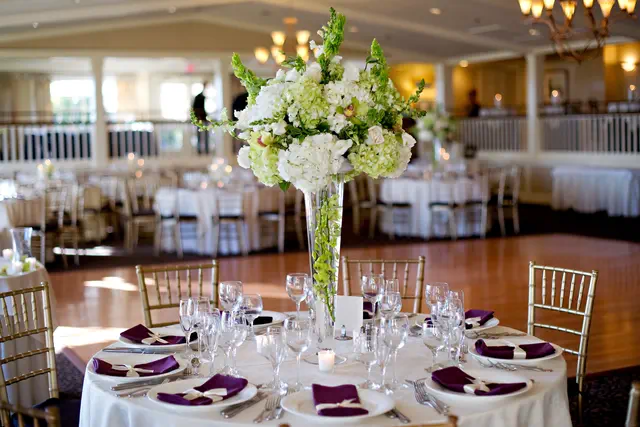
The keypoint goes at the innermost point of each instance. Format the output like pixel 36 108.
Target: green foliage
pixel 380 69
pixel 300 133
pixel 284 186
pixel 227 124
pixel 333 36
pixel 248 78
pixel 295 62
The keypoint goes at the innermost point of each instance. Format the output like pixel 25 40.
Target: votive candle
pixel 326 360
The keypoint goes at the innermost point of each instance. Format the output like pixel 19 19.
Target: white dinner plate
pixel 183 385
pixel 135 359
pixel 167 330
pixel 278 318
pixel 301 404
pixel 491 323
pixel 486 375
pixel 558 352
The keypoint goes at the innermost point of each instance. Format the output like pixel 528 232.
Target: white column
pixel 535 69
pixel 444 86
pixel 100 148
pixel 224 99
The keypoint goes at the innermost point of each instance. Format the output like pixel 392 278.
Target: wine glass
pixel 432 341
pixel 372 287
pixel 271 345
pixel 230 293
pixel 456 294
pixel 240 336
pixel 251 307
pixel 395 332
pixel 298 333
pixel 211 332
pixel 457 328
pixel 391 285
pixel 365 345
pixel 390 304
pixel 232 331
pixel 433 293
pixel 186 323
pixel 201 306
pixel 298 286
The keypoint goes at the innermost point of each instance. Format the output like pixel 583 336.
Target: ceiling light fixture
pixel 303 36
pixel 628 66
pixel 298 43
pixel 564 36
pixel 278 37
pixel 435 11
pixel 464 63
pixel 262 54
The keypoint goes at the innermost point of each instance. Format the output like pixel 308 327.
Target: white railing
pixel 601 133
pixel 30 143
pixel 494 134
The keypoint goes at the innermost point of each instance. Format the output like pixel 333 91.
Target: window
pixel 174 101
pixel 73 99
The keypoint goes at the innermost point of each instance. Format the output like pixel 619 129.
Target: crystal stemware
pixel 432 340
pixel 250 307
pixel 433 293
pixel 365 346
pixel 201 306
pixel 232 331
pixel 186 323
pixel 372 287
pixel 298 335
pixel 390 304
pixel 230 293
pixel 395 333
pixel 298 286
pixel 272 346
pixel 211 332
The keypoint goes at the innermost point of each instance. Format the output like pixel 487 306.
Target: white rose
pixel 292 75
pixel 16 267
pixel 375 136
pixel 243 157
pixel 408 140
pixel 280 75
pixel 351 73
pixel 314 71
pixel 279 128
pixel 7 253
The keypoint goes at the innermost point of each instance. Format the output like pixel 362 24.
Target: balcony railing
pixel 494 134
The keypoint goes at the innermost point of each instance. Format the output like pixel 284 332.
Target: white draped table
pixel 546 404
pixel 18 213
pixel 419 193
pixel 590 189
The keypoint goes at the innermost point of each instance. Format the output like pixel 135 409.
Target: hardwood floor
pixel 93 306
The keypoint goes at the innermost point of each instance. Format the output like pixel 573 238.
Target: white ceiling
pixel 464 28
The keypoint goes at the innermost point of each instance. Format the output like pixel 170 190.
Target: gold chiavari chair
pixel 633 413
pixel 557 301
pixel 388 266
pixel 162 279
pixel 28 416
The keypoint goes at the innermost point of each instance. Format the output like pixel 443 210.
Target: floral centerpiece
pixel 437 128
pixel 317 126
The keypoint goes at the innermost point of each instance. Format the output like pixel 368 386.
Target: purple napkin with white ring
pixel 340 401
pixel 140 334
pixel 368 310
pixel 217 388
pixel 475 318
pixel 157 367
pixel 531 351
pixel 455 379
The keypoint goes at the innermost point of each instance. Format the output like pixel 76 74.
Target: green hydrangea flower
pixel 264 164
pixel 377 160
pixel 307 104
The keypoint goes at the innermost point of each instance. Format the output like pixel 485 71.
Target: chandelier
pixel 583 43
pixel 280 46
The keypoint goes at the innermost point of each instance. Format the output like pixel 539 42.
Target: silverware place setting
pixel 424 398
pixel 512 367
pixel 233 410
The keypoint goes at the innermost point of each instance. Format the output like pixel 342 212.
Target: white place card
pixel 348 313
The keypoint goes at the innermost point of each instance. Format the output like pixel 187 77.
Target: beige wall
pixel 617 80
pixel 406 76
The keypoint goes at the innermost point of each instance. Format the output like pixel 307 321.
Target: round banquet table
pixel 35 390
pixel 546 404
pixel 18 213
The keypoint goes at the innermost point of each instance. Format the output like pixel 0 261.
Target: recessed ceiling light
pixel 464 63
pixel 35 25
pixel 353 29
pixel 533 32
pixel 435 11
pixel 172 9
pixel 290 20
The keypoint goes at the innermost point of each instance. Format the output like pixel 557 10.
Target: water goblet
pixel 390 304
pixel 298 286
pixel 232 331
pixel 395 334
pixel 186 323
pixel 365 346
pixel 298 334
pixel 372 287
pixel 240 336
pixel 250 307
pixel 272 346
pixel 391 285
pixel 230 293
pixel 211 332
pixel 433 293
pixel 432 340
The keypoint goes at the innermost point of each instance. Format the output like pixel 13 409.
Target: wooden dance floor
pixel 93 306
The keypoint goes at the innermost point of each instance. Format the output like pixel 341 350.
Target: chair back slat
pixel 23 303
pixel 564 279
pixel 16 318
pixel 7 322
pixel 174 283
pixel 553 288
pixel 571 289
pixel 405 277
pixel 580 291
pixel 544 286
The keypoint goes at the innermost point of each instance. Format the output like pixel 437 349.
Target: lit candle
pixel 7 253
pixel 326 360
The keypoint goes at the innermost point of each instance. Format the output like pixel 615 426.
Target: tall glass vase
pixel 324 227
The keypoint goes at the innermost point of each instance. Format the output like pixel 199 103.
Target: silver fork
pixel 441 407
pixel 271 404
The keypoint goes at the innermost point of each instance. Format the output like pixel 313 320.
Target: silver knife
pixel 233 410
pixel 136 384
pixel 402 417
pixel 136 350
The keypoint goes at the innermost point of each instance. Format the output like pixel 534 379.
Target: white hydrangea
pixel 243 157
pixel 314 71
pixel 351 73
pixel 337 122
pixel 404 157
pixel 342 93
pixel 269 102
pixel 310 164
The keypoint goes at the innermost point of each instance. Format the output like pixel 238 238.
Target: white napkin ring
pixel 348 403
pixel 518 352
pixel 215 394
pixel 131 371
pixel 153 337
pixel 474 322
pixel 477 385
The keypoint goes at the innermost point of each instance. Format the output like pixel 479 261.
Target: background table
pixel 589 190
pixel 546 404
pixel 18 213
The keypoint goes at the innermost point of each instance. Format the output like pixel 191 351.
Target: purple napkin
pixel 343 394
pixel 140 332
pixel 484 316
pixel 232 384
pixel 534 351
pixel 368 310
pixel 160 366
pixel 428 321
pixel 455 379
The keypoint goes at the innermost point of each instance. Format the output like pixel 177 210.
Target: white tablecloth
pixel 419 193
pixel 34 390
pixel 18 213
pixel 202 204
pixel 546 404
pixel 589 190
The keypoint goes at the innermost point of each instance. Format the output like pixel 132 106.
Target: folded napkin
pixel 455 379
pixel 219 387
pixel 340 401
pixel 262 320
pixel 428 321
pixel 142 335
pixel 157 367
pixel 475 318
pixel 523 351
pixel 368 310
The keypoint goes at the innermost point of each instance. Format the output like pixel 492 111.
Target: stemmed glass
pixel 273 347
pixel 390 304
pixel 201 306
pixel 432 341
pixel 365 345
pixel 298 286
pixel 298 333
pixel 372 287
pixel 391 285
pixel 457 328
pixel 435 292
pixel 211 332
pixel 186 323
pixel 395 332
pixel 251 307
pixel 233 332
pixel 230 293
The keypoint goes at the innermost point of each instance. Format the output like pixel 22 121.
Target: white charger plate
pixel 486 375
pixel 135 359
pixel 167 330
pixel 181 386
pixel 301 404
pixel 498 342
pixel 278 318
